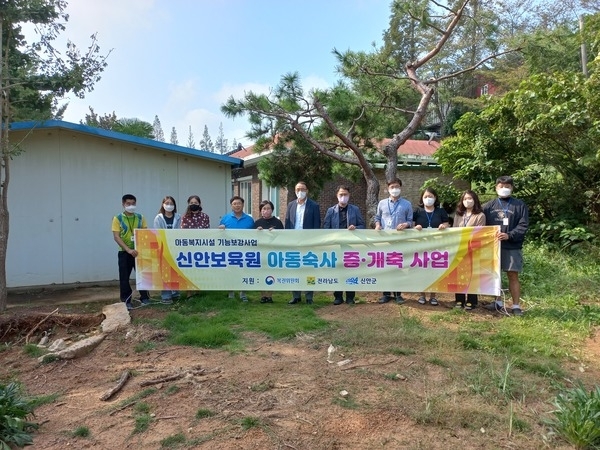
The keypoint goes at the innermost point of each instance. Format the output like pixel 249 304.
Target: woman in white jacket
pixel 170 219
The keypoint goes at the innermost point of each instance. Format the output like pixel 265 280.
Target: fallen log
pixel 124 377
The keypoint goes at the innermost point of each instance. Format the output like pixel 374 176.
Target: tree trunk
pixel 372 199
pixel 4 172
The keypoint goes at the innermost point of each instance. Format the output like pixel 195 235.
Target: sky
pixel 181 60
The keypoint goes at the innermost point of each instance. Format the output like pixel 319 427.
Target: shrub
pixel 577 417
pixel 15 429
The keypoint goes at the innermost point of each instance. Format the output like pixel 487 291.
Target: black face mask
pixel 195 208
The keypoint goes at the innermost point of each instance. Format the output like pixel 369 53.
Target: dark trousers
pixel 389 294
pixel 470 298
pixel 349 295
pixel 126 265
pixel 308 294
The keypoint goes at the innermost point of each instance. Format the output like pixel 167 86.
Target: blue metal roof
pixel 114 135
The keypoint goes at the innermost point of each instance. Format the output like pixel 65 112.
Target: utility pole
pixel 583 48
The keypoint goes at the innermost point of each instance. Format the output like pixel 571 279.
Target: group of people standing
pixel 393 213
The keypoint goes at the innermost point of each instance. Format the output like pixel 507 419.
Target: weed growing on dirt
pixel 145 346
pixel 262 386
pixel 81 431
pixel 250 422
pixel 173 441
pixel 577 417
pixel 203 413
pixel 142 417
pixel 134 398
pixel 40 400
pixel 34 351
pixel 173 389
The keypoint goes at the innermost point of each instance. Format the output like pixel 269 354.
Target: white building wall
pixel 66 187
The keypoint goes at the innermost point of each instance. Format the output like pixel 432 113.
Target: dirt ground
pixel 287 387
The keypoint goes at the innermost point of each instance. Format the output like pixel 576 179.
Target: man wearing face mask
pixel 343 216
pixel 393 213
pixel 302 214
pixel 512 215
pixel 122 228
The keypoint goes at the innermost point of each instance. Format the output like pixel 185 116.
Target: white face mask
pixel 343 199
pixel 429 201
pixel 130 208
pixel 301 195
pixel 168 208
pixel 468 203
pixel 504 192
pixel 395 192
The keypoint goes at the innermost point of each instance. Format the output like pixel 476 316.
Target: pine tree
pixel 158 131
pixel 221 142
pixel 206 143
pixel 191 143
pixel 234 145
pixel 174 139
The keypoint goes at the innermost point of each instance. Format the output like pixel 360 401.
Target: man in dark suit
pixel 343 216
pixel 302 214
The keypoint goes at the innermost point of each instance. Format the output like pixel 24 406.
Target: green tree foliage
pixel 545 133
pixel 134 127
pixel 174 139
pixel 206 142
pixel 221 142
pixel 33 78
pixel 157 130
pixel 315 168
pixel 191 143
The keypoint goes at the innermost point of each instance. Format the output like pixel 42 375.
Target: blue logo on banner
pixel 269 280
pixel 353 280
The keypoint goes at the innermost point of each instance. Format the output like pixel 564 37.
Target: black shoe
pixel 350 301
pixel 308 301
pixel 385 299
pixel 269 299
pixel 494 307
pixel 338 301
pixel 294 301
pixel 264 299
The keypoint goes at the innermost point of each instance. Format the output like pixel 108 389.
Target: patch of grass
pixel 438 362
pixel 204 413
pixel 134 398
pixel 402 351
pixel 211 320
pixel 250 422
pixel 348 402
pixel 142 408
pixel 263 386
pixel 144 347
pixel 40 400
pixel 50 358
pixel 34 351
pixel 81 431
pixel 142 423
pixel 173 389
pixel 173 441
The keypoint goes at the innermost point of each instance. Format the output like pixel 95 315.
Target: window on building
pixel 246 194
pixel 271 193
pixel 484 89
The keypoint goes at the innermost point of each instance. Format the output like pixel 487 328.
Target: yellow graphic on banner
pixel 464 260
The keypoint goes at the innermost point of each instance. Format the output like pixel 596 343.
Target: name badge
pixel 505 221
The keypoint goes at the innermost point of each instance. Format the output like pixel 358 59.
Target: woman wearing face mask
pixel 468 214
pixel 194 217
pixel 429 215
pixel 269 222
pixel 170 219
